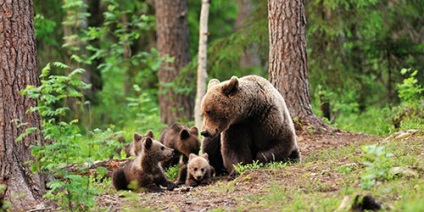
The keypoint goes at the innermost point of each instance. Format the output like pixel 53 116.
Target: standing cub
pixel 145 171
pixel 199 172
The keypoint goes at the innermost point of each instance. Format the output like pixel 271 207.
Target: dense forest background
pixel 356 51
pixel 103 75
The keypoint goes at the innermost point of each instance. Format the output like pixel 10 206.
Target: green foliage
pixel 374 121
pixel 112 43
pixel 410 91
pixel 43 28
pixel 382 121
pixel 63 139
pixel 145 112
pixel 354 50
pixel 60 149
pixel 275 165
pixel 378 163
pixel 222 15
pixel 409 114
pixel 101 145
pixel 172 172
pixel 240 167
pixel 227 43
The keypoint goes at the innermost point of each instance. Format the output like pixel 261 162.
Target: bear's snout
pixel 198 177
pixel 205 134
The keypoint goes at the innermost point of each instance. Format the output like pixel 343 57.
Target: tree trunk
pixel 18 70
pixel 202 73
pixel 172 40
pixel 288 70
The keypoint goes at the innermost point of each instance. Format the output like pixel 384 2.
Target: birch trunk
pixel 202 73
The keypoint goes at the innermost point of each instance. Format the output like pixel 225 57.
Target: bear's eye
pixel 162 148
pixel 202 169
pixel 195 169
pixel 208 112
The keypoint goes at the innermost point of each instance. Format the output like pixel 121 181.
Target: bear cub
pixel 199 172
pixel 134 148
pixel 145 172
pixel 184 141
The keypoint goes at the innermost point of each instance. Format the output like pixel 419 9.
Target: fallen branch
pixel 87 168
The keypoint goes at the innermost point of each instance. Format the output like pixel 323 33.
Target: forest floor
pixel 328 177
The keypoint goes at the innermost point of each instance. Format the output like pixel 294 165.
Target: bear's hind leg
pixel 279 153
pixel 119 180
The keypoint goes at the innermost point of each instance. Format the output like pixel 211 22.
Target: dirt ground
pixel 221 195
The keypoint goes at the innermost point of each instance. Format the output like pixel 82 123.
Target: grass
pixel 324 178
pixel 319 183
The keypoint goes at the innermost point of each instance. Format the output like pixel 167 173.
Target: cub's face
pixel 219 107
pixel 198 166
pixel 189 141
pixel 155 149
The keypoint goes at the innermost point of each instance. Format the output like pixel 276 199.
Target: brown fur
pixel 145 171
pixel 199 172
pixel 134 148
pixel 185 141
pixel 252 119
pixel 212 146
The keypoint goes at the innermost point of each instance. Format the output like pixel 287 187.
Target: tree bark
pixel 288 70
pixel 18 70
pixel 202 73
pixel 172 40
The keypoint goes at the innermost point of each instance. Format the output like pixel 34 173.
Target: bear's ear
pixel 191 156
pixel 150 134
pixel 205 156
pixel 148 143
pixel 194 131
pixel 137 137
pixel 184 134
pixel 231 87
pixel 212 82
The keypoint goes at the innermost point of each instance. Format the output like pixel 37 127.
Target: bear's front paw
pixel 179 182
pixel 233 175
pixel 191 183
pixel 171 186
pixel 153 188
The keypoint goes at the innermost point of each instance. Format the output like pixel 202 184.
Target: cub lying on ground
pixel 199 172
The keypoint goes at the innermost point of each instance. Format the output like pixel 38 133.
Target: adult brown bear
pixel 252 119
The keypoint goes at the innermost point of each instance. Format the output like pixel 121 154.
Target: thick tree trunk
pixel 18 70
pixel 288 70
pixel 202 73
pixel 172 40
